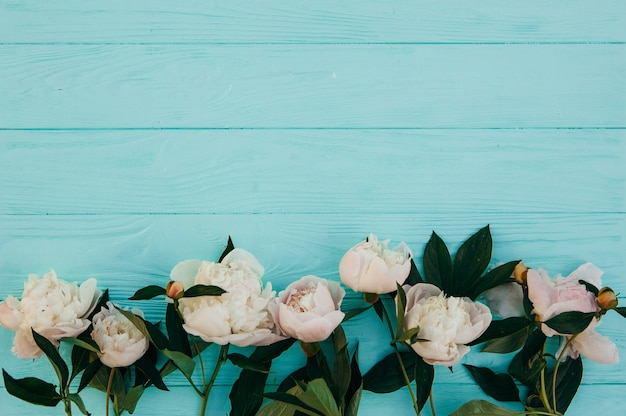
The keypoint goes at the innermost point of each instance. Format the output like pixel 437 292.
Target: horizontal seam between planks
pixel 312 43
pixel 8 129
pixel 311 213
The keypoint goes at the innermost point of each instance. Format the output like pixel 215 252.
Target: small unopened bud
pixel 607 298
pixel 175 289
pixel 520 273
pixel 310 348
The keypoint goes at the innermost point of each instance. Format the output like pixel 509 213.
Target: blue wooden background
pixel 136 134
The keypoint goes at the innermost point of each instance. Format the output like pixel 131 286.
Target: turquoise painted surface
pixel 137 134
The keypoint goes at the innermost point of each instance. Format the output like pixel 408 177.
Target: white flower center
pixel 440 318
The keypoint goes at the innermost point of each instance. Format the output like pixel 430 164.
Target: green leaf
pixel 342 371
pixel 527 304
pixel 470 261
pixel 572 322
pixel 148 292
pixel 269 352
pixel 400 305
pixel 78 401
pixel 132 398
pixel 414 275
pixel 178 338
pixel 229 247
pixel 300 375
pixel 508 343
pixel 568 378
pixel 527 364
pixel 355 312
pixel 184 363
pixel 386 375
pixel 54 357
pixel 591 288
pixel 278 408
pixel 354 402
pixel 355 388
pixel 295 402
pixel 378 308
pixel 495 277
pixel 318 396
pixel 31 390
pixel 438 264
pixel 503 328
pixel 621 310
pixel 499 386
pixel 90 372
pixel 80 360
pixel 245 363
pixel 482 408
pixel 148 368
pixel 203 290
pixel 424 375
pixel 409 336
pixel 87 343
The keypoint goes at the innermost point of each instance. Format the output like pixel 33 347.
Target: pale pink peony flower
pixel 241 316
pixel 52 307
pixel 309 309
pixel 446 323
pixel 371 267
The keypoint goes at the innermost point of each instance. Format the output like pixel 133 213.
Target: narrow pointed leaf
pixel 229 247
pixel 621 311
pixel 300 375
pixel 495 277
pixel 355 312
pixel 502 328
pixel 438 264
pixel 414 276
pixel 147 367
pixel 318 396
pixel 294 401
pixel 53 355
pixel 400 305
pixel 499 386
pixel 184 363
pixel 591 288
pixel 470 261
pixel 378 308
pixel 148 329
pixel 508 343
pixel 569 377
pixel 386 375
pixel 132 397
pixel 80 360
pixel 148 292
pixel 31 390
pixel 78 401
pixel 245 363
pixel 90 372
pixel 203 290
pixel 178 338
pixel 424 375
pixel 87 343
pixel 572 322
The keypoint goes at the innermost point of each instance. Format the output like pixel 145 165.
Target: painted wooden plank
pixel 302 86
pixel 324 21
pixel 312 171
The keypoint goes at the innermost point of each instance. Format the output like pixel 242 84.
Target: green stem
pixel 399 357
pixel 207 389
pixel 432 403
pixel 108 393
pixel 542 394
pixel 556 369
pixel 68 406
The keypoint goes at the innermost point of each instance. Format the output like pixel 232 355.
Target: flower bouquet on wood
pixel 433 319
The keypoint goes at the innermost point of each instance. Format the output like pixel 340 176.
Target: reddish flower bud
pixel 607 298
pixel 175 289
pixel 520 273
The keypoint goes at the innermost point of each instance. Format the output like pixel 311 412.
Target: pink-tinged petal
pixel 350 269
pixel 480 318
pixel 315 330
pixel 239 254
pixel 8 317
pixel 596 347
pixel 506 301
pixel 587 272
pixel 186 272
pixel 540 290
pixel 24 345
pixel 324 302
pixel 420 291
pixel 89 295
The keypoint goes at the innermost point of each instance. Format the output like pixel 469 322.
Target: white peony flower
pixel 52 307
pixel 446 323
pixel 371 267
pixel 119 340
pixel 309 309
pixel 241 316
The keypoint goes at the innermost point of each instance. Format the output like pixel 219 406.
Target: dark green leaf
pixel 178 338
pixel 245 363
pixel 90 372
pixel 148 292
pixel 132 397
pixel 78 401
pixel 499 386
pixel 424 375
pixel 568 378
pixel 409 336
pixel 342 370
pixel 318 395
pixel 229 247
pixel 386 375
pixel 147 367
pixel 414 275
pixel 572 322
pixel 148 329
pixel 292 400
pixel 470 261
pixel 482 408
pixel 495 277
pixel 289 382
pixel 54 357
pixel 184 363
pixel 354 312
pixel 591 288
pixel 356 382
pixel 31 390
pixel 269 352
pixel 378 308
pixel 621 311
pixel 438 264
pixel 80 360
pixel 102 303
pixel 527 304
pixel 203 290
pixel 86 343
pixel 508 343
pixel 400 302
pixel 502 328
pixel 527 364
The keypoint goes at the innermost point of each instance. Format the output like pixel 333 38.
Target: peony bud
pixel 520 273
pixel 607 299
pixel 175 289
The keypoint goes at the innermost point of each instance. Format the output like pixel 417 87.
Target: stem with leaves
pixel 556 369
pixel 207 387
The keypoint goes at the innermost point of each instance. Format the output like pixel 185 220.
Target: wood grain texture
pixel 310 86
pixel 324 21
pixel 324 171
